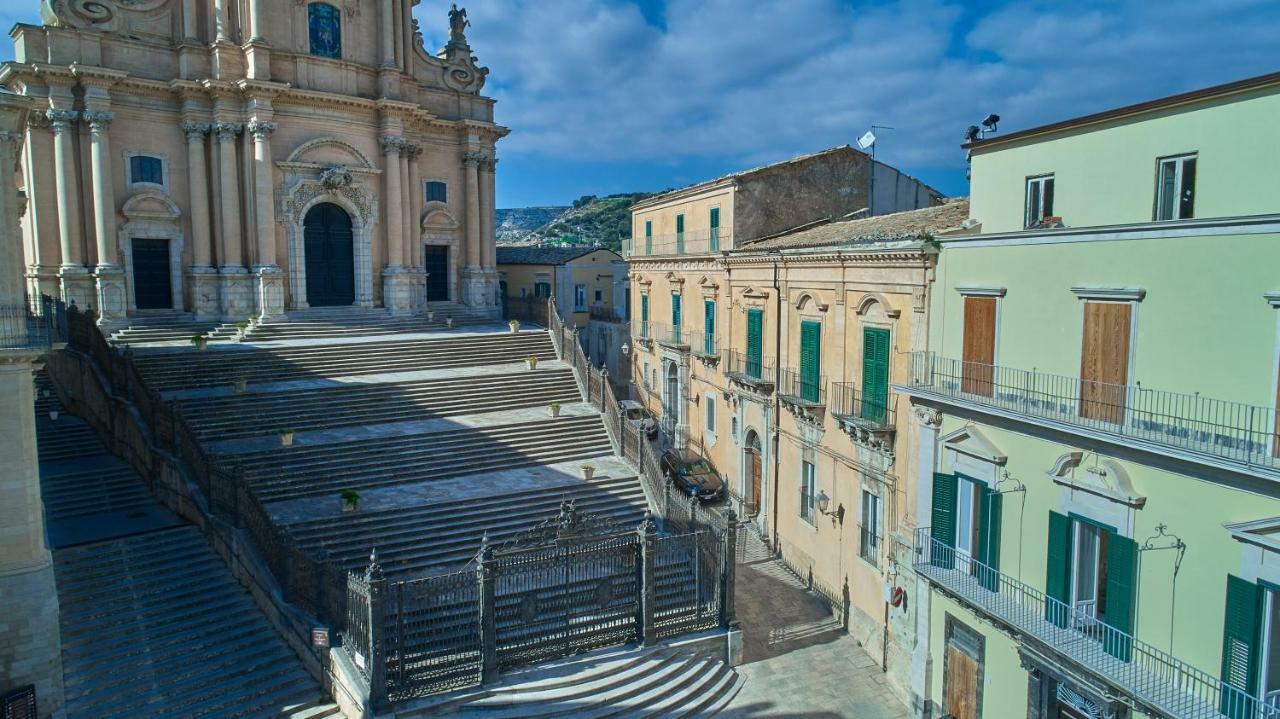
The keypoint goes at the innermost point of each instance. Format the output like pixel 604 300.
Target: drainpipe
pixel 777 379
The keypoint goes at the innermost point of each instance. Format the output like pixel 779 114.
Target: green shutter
pixel 715 229
pixel 675 317
pixel 989 520
pixel 875 374
pixel 648 237
pixel 1122 572
pixel 1240 630
pixel 709 327
pixel 644 315
pixel 1057 580
pixel 679 234
pixel 943 527
pixel 755 348
pixel 810 360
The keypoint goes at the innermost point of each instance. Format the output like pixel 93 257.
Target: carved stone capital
pixel 38 120
pixel 98 120
pixel 195 131
pixel 474 158
pixel 927 416
pixel 226 131
pixel 392 144
pixel 411 151
pixel 261 130
pixel 62 120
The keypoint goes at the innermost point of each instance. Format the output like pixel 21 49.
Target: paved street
pixel 797 661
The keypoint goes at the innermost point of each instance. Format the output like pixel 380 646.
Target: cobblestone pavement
pixel 797 660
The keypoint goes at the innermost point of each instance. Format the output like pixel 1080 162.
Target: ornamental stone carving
pixel 261 130
pixel 62 119
pixel 196 130
pixel 334 177
pixel 105 15
pixel 98 120
pixel 927 416
pixel 392 144
pixel 226 131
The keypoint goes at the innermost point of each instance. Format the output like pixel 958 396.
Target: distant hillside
pixel 591 220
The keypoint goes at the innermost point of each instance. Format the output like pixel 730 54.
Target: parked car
pixel 638 415
pixel 692 474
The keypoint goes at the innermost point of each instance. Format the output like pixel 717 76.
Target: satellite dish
pixel 867 140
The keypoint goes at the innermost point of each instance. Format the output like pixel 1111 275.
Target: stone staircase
pixel 336 323
pixel 152 623
pixel 221 366
pixel 626 682
pixel 168 328
pixel 227 417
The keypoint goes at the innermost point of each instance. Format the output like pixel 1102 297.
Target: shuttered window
pixel 979 345
pixel 1057 583
pixel 1121 574
pixel 1104 360
pixel 943 525
pixel 644 315
pixel 679 234
pixel 715 229
pixel 709 327
pixel 675 317
pixel 875 373
pixel 755 346
pixel 990 518
pixel 810 360
pixel 1241 627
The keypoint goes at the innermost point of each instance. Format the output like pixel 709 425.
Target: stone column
pixel 233 280
pixel 30 648
pixel 387 33
pixel 414 286
pixel 189 19
pixel 413 248
pixel 77 285
pixel 41 193
pixel 488 240
pixel 395 282
pixel 471 166
pixel 221 22
pixel 928 423
pixel 270 294
pixel 201 277
pixel 113 301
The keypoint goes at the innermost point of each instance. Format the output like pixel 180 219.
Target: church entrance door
pixel 436 263
pixel 152 283
pixel 329 248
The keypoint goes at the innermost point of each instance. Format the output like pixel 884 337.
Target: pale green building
pixel 1099 499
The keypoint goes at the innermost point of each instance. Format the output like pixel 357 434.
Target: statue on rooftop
pixel 458 24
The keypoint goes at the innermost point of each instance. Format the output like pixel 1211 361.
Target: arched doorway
pixel 671 399
pixel 754 469
pixel 329 249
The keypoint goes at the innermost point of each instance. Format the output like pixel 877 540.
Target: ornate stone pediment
pixel 298 199
pixel 329 152
pixel 130 18
pixel 151 205
pixel 436 217
pixel 463 73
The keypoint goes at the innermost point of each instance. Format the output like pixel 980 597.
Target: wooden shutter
pixel 675 317
pixel 1057 581
pixel 810 360
pixel 875 373
pixel 1122 572
pixel 755 348
pixel 1240 629
pixel 709 327
pixel 962 683
pixel 943 526
pixel 979 345
pixel 989 520
pixel 644 309
pixel 1104 360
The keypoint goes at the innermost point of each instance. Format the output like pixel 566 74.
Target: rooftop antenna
pixel 868 142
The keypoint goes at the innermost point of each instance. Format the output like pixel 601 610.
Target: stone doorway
pixel 329 249
pixel 435 261
pixel 152 280
pixel 754 467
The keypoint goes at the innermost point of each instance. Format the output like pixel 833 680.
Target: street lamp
pixel 824 506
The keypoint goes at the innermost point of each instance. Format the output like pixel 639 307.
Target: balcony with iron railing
pixel 752 372
pixel 800 391
pixel 1156 681
pixel 850 405
pixel 704 346
pixel 675 336
pixel 1188 426
pixel 690 242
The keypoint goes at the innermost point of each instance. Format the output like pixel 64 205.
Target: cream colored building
pixel 758 333
pixel 231 158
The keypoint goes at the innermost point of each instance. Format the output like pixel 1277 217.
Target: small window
pixel 711 413
pixel 437 192
pixel 324 22
pixel 1175 188
pixel 808 488
pixel 580 298
pixel 524 291
pixel 599 297
pixel 869 547
pixel 143 168
pixel 1039 200
pixel 542 289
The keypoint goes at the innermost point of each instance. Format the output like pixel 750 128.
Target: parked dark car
pixel 692 474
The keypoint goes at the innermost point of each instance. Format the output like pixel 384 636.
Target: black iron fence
pixel 848 402
pixel 37 324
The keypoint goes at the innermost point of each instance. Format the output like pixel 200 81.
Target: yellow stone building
pixel 766 329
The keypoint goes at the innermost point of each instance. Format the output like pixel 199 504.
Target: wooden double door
pixel 330 252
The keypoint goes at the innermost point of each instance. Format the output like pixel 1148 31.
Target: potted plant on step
pixel 350 500
pixel 200 341
pixel 532 362
pixel 448 322
pixel 286 437
pixel 53 415
pixel 588 471
pixel 240 384
pixel 241 328
pixel 514 325
pixel 555 409
pixel 431 315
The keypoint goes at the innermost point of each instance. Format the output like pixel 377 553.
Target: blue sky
pixel 610 96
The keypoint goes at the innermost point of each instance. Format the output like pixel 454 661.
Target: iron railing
pixel 672 336
pixel 642 330
pixel 702 344
pixel 1231 431
pixel 601 313
pixel 35 325
pixel 689 242
pixel 849 404
pixel 746 369
pixel 1153 677
pixel 801 390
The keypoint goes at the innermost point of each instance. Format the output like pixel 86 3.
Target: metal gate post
pixel 377 633
pixel 488 620
pixel 647 533
pixel 728 570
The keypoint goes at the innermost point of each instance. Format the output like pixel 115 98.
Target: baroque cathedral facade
pixel 230 158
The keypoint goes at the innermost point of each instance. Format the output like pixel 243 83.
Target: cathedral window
pixel 144 168
pixel 437 192
pixel 325 24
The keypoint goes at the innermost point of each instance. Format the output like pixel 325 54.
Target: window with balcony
pixel 1251 644
pixel 680 234
pixel 648 237
pixel 979 353
pixel 967 520
pixel 709 327
pixel 599 297
pixel 755 343
pixel 869 545
pixel 644 315
pixel 808 491
pixel 714 220
pixel 675 318
pixel 1176 187
pixel 1089 580
pixel 324 23
pixel 810 360
pixel 875 374
pixel 1104 360
pixel 436 192
pixel 1039 200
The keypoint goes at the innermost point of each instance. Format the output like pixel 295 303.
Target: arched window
pixel 325 24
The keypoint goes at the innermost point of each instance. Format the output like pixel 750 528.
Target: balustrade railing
pixel 797 388
pixel 1153 677
pixel 1214 428
pixel 35 325
pixel 690 242
pixel 676 336
pixel 703 344
pixel 849 403
pixel 748 369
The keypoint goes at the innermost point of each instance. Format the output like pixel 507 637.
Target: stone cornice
pixel 92 76
pixel 877 257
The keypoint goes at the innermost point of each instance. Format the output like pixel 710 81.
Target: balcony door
pixel 1104 360
pixel 1251 648
pixel 755 473
pixel 967 522
pixel 1090 581
pixel 1089 575
pixel 976 371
